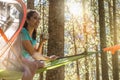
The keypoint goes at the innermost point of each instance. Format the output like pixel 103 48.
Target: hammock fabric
pixel 8 74
pixel 112 49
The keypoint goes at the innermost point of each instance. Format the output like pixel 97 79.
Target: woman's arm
pixel 32 51
pixel 38 56
pixel 40 47
pixel 28 47
pixel 42 41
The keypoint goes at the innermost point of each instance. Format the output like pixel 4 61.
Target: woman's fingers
pixel 53 57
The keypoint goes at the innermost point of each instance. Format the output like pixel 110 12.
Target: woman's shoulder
pixel 25 34
pixel 23 30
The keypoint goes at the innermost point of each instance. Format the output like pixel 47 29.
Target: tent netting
pixel 12 17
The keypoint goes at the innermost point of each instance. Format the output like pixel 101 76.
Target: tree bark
pixel 56 36
pixel 30 4
pixel 104 61
pixel 115 56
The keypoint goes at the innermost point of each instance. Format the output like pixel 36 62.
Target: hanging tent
pixel 12 18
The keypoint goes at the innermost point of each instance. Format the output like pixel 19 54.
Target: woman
pixel 31 54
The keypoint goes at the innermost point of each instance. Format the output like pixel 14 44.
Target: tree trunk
pixel 96 47
pixel 97 55
pixel 104 61
pixel 56 36
pixel 75 48
pixel 115 56
pixel 86 42
pixel 30 4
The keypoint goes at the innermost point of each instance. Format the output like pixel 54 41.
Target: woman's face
pixel 34 20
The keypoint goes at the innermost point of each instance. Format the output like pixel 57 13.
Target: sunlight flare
pixel 75 9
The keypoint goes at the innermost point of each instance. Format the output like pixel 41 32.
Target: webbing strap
pixel 3 35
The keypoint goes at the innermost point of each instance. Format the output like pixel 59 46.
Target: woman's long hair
pixel 29 15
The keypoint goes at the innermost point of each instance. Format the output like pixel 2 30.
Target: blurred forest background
pixel 75 26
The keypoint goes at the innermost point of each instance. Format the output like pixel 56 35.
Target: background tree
pixel 95 8
pixel 30 4
pixel 104 62
pixel 56 36
pixel 115 56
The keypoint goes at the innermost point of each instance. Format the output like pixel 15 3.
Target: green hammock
pixel 14 75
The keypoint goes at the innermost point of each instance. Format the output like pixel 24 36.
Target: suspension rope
pixel 3 35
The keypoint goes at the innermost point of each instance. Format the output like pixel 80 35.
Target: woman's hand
pixel 53 57
pixel 42 41
pixel 38 56
pixel 44 37
pixel 40 63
